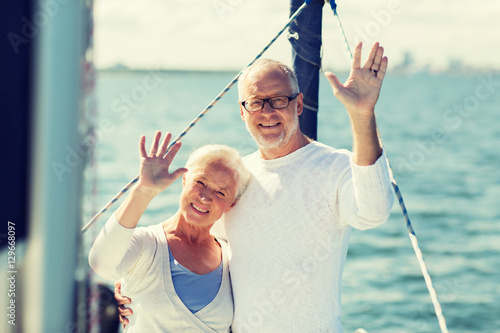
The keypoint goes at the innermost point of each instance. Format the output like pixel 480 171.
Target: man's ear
pixel 183 179
pixel 242 112
pixel 300 103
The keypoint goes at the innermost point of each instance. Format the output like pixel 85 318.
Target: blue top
pixel 195 291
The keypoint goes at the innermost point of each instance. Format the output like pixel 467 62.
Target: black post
pixel 15 88
pixel 305 37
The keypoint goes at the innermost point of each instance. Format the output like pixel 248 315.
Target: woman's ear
pixel 231 205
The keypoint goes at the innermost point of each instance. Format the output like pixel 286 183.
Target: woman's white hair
pixel 266 63
pixel 228 156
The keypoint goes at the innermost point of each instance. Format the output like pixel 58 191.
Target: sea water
pixel 442 136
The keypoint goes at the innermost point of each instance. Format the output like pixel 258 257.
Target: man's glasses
pixel 278 102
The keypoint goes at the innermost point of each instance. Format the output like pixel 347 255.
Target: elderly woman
pixel 176 272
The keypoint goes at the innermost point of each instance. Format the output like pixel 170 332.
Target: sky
pixel 227 34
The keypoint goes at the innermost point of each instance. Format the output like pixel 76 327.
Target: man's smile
pixel 269 125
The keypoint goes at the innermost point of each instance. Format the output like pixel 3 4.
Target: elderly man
pixel 289 233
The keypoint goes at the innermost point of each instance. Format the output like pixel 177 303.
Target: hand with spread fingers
pixel 154 175
pixel 154 178
pixel 360 92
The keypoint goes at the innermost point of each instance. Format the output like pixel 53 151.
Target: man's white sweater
pixel 289 234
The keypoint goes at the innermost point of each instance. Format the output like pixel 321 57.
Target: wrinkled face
pixel 271 128
pixel 208 191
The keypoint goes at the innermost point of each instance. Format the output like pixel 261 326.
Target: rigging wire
pixel 413 237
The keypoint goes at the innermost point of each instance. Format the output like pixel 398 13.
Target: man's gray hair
pixel 226 155
pixel 266 63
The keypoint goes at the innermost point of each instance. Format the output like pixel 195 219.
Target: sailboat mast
pixel 305 37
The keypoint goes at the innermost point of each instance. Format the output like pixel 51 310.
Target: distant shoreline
pixel 398 71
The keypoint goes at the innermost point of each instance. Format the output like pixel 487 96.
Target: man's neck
pixel 293 145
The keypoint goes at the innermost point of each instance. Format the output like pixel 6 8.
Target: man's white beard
pixel 280 141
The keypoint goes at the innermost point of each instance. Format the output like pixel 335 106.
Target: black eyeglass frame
pixel 268 100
